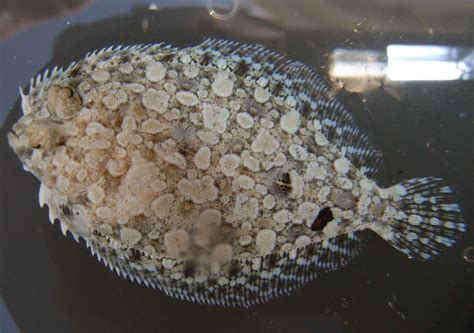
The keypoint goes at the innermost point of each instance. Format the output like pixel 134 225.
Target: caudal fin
pixel 426 220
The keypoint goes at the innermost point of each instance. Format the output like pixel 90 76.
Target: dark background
pixel 49 283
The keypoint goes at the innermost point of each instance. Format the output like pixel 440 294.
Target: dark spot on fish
pixel 189 268
pixel 186 151
pixel 74 72
pixel 118 122
pixel 286 269
pixel 252 279
pixel 331 133
pixel 295 230
pixel 336 256
pixel 283 184
pixel 306 110
pixel 104 57
pixel 400 171
pixel 234 268
pixel 345 136
pixel 200 289
pixel 124 59
pixel 357 160
pixel 160 269
pixel 135 255
pixel 168 57
pixel 312 250
pixel 324 217
pixel 242 68
pixel 140 65
pixel 277 89
pixel 212 280
pixel 272 260
pixel 251 106
pixel 66 211
pixel 206 59
pixel 300 270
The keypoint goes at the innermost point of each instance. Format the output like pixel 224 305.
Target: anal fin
pixel 255 280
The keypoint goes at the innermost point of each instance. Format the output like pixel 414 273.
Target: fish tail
pixel 424 219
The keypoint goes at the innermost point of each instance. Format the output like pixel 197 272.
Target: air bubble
pixel 222 14
pixel 469 254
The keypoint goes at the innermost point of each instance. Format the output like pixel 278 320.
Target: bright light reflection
pixel 422 62
pixel 416 70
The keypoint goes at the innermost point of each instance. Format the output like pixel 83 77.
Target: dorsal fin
pixel 338 126
pixel 247 60
pixel 282 76
pixel 295 83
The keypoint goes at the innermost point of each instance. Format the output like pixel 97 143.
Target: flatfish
pixel 222 173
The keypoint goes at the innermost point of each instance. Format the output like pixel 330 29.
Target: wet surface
pixel 49 283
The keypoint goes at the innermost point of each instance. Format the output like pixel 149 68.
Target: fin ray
pixel 260 279
pixel 430 220
pixel 338 126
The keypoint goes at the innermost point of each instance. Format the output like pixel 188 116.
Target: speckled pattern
pixel 222 173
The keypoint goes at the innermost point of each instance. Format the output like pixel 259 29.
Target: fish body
pixel 222 173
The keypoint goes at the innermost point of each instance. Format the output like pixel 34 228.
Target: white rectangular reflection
pixel 402 63
pixel 422 62
pixel 413 70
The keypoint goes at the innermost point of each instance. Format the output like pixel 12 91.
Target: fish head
pixel 48 108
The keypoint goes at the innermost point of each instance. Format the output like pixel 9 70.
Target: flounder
pixel 222 173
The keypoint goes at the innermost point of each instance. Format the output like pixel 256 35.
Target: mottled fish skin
pixel 223 173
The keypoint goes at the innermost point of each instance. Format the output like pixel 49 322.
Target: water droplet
pixel 469 254
pixel 223 12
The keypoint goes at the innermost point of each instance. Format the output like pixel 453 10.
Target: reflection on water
pixel 39 264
